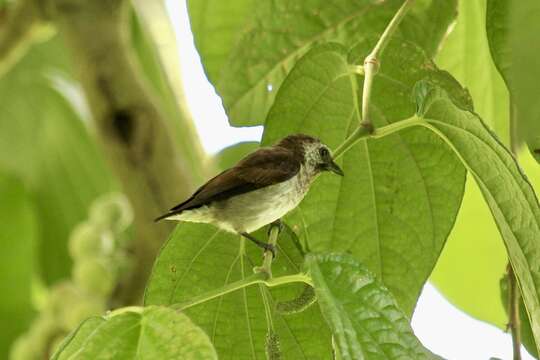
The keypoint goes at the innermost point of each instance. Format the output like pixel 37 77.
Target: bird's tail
pixel 165 216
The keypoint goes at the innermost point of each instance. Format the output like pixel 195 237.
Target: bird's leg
pixel 265 246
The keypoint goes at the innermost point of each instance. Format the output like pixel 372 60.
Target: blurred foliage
pixel 97 248
pixel 18 263
pixel 155 46
pixel 45 142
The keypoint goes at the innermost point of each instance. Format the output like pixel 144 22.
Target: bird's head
pixel 315 155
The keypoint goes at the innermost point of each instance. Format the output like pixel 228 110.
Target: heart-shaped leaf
pixel 399 197
pixel 200 258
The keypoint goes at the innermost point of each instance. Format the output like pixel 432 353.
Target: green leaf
pixel 465 54
pixel 200 258
pixel 18 240
pixel 506 190
pixel 149 333
pixel 468 272
pixel 512 28
pixel 216 27
pixel 281 31
pixel 365 319
pixel 229 156
pixel 399 197
pixel 474 258
pixel 45 143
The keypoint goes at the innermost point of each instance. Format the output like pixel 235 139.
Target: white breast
pixel 255 209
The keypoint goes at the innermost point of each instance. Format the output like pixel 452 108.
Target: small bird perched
pixel 259 189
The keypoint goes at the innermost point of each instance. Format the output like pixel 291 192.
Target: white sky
pixel 440 326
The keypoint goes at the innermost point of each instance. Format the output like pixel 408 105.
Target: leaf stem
pixel 371 62
pixel 257 278
pixel 365 132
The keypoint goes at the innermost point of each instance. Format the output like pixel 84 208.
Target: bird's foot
pixel 277 223
pixel 261 244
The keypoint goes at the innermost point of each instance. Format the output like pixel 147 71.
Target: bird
pixel 260 189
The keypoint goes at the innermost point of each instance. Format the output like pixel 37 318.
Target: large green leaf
pixel 399 197
pixel 18 240
pixel 149 333
pixel 465 54
pixel 506 190
pixel 199 258
pixel 513 28
pixel 474 258
pixel 216 27
pixel 281 31
pixel 365 319
pixel 44 141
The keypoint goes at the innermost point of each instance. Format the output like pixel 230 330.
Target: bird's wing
pixel 264 167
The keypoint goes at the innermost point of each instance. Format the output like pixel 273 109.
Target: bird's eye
pixel 324 152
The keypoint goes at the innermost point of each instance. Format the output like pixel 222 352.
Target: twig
pixel 370 69
pixel 372 63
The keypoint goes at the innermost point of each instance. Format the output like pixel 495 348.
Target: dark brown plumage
pixel 266 166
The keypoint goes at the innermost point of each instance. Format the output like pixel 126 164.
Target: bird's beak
pixel 333 167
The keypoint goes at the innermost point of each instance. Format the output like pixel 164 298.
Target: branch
pixel 129 124
pixel 21 24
